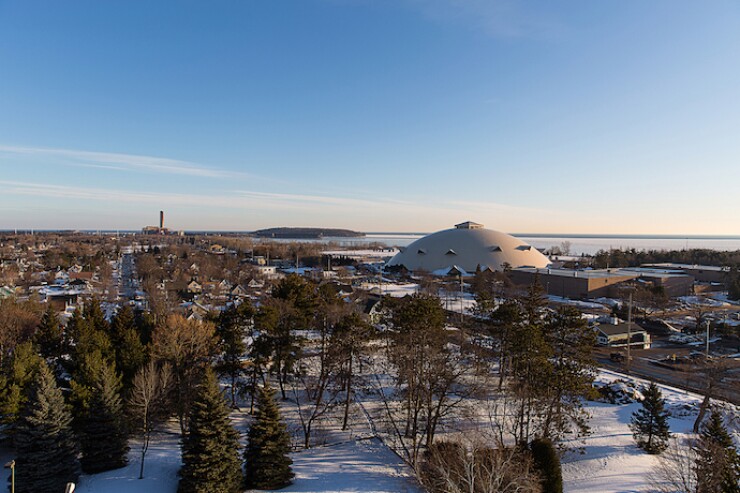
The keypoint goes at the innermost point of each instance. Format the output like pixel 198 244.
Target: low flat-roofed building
pixel 674 282
pixel 569 283
pixel 702 273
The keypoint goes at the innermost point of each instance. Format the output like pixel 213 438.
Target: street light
pixel 11 465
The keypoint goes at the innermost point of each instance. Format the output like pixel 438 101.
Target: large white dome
pixel 467 246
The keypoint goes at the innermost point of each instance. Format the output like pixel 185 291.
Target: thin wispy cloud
pixel 120 161
pixel 497 18
pixel 252 200
pixel 227 200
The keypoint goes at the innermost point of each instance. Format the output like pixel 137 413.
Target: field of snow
pixel 607 461
pixel 361 466
pixel 611 462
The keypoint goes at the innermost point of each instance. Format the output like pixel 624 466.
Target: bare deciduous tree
pixel 189 346
pixel 149 402
pixel 470 466
pixel 676 468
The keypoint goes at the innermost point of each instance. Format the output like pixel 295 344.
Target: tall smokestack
pixel 161 219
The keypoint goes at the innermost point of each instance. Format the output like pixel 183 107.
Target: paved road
pixel 685 376
pixel 128 284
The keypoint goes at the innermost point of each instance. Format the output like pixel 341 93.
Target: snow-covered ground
pixel 160 469
pixel 586 305
pixel 702 301
pixel 358 466
pixel 606 461
pixel 611 462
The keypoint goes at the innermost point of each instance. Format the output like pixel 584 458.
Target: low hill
pixel 307 233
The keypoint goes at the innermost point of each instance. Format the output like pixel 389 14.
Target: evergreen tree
pixel 85 338
pixel 276 321
pixel 77 328
pixel 268 444
pixel 95 316
pixel 548 464
pixel 210 451
pixel 649 425
pixel 232 330
pixel 102 430
pixel 717 463
pixel 87 368
pixel 301 293
pixel 46 447
pixel 130 352
pixel 572 367
pixel 50 337
pixel 17 377
pixel 531 365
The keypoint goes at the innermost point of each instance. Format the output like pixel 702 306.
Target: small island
pixel 307 233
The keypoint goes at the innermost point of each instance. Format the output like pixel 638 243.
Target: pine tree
pixel 649 425
pixel 46 447
pixel 268 445
pixel 102 430
pixel 232 329
pixel 572 368
pixel 717 463
pixel 50 337
pixel 210 451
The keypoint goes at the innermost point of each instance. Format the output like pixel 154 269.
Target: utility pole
pixel 629 334
pixel 707 340
pixel 462 306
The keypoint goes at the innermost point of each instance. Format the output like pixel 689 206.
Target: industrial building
pixel 673 282
pixel 153 230
pixel 702 273
pixel 569 283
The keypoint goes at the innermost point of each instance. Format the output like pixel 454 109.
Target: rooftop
pixel 669 265
pixel 654 272
pixel 584 274
pixel 613 330
pixel 469 225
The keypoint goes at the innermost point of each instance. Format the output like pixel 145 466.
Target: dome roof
pixel 467 246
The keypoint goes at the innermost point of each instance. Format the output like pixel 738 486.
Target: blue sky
pixel 376 115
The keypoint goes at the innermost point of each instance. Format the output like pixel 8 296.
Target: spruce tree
pixel 717 462
pixel 649 425
pixel 548 463
pixel 46 447
pixel 95 316
pixel 268 445
pixel 102 429
pixel 210 451
pixel 17 377
pixel 130 352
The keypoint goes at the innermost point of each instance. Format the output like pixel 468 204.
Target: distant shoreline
pixel 401 234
